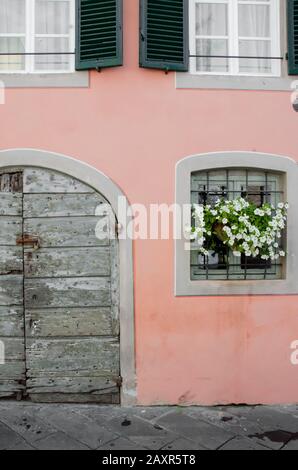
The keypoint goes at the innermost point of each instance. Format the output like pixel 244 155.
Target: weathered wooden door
pixel 68 278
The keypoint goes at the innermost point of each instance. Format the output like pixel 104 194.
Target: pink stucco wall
pixel 133 125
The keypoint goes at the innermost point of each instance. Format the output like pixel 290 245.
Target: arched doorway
pixel 66 302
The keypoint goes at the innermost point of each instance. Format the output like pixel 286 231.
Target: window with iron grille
pixel 256 186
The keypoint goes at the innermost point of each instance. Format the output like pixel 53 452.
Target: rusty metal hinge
pixel 28 239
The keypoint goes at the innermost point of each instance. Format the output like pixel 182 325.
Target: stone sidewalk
pixel 25 426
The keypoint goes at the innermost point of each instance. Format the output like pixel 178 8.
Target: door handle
pixel 28 239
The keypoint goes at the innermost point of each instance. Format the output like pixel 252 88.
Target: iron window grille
pixel 255 186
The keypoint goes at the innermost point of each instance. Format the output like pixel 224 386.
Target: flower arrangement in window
pixel 241 226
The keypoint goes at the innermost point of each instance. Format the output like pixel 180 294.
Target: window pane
pixel 52 17
pixel 255 49
pixel 52 62
pixel 254 20
pixel 12 16
pixel 12 62
pixel 256 186
pixel 209 47
pixel 211 19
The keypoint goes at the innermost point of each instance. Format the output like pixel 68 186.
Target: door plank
pixel 67 292
pixel 69 322
pixel 11 290
pixel 10 204
pixel 38 180
pixel 102 399
pixel 10 230
pixel 96 356
pixel 66 232
pixel 11 321
pixel 13 370
pixel 62 262
pixel 14 348
pixel 11 260
pixel 92 385
pixel 61 205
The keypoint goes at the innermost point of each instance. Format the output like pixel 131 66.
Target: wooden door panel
pixel 11 204
pixel 11 260
pixel 65 232
pixel 11 290
pixel 87 356
pixel 12 321
pixel 67 262
pixel 61 205
pixel 38 180
pixel 67 292
pixel 73 385
pixel 64 322
pixel 10 229
pixel 12 373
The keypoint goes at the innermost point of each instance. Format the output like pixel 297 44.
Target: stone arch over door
pixel 22 158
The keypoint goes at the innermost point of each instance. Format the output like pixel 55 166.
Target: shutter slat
pixel 293 36
pixel 164 34
pixel 99 34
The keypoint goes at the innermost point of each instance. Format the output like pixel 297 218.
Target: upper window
pixel 37 36
pixel 235 37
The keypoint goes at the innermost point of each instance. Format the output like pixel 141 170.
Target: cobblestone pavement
pixel 24 425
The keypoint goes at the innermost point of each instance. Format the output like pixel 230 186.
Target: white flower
pixel 275 245
pixel 213 212
pixel 259 212
pixel 280 205
pixel 282 253
pixel 225 221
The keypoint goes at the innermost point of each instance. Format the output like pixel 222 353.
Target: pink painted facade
pixel 134 125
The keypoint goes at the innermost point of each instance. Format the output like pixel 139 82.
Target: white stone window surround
pixel 184 286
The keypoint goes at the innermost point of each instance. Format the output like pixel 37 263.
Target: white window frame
pixel 184 286
pixel 30 37
pixel 233 37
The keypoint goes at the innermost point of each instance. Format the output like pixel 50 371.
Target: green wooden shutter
pixel 98 34
pixel 164 34
pixel 293 36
